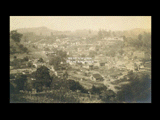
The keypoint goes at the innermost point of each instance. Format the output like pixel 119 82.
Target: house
pixel 86 66
pixel 95 67
pixel 96 63
pixel 96 77
pixel 130 66
pixel 139 54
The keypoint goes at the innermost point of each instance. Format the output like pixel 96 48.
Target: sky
pixel 63 23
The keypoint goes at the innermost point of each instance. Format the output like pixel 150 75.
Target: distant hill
pixel 37 30
pixel 44 31
pixel 135 32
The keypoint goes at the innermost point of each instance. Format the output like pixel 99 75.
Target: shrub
pixel 108 96
pixel 26 58
pixel 41 60
pixel 76 86
pixel 138 90
pixel 20 81
pixel 13 89
pixel 97 90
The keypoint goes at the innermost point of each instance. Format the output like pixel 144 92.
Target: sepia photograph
pixel 80 59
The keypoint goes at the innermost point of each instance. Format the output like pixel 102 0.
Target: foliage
pixel 64 96
pixel 92 53
pixel 16 63
pixel 67 85
pixel 100 34
pixel 20 81
pixel 107 96
pixel 13 89
pixel 29 85
pixel 142 42
pixel 41 60
pixel 16 36
pixel 30 64
pixel 139 90
pixel 12 49
pixel 55 61
pixel 76 86
pixel 26 58
pixel 62 54
pixel 42 73
pixel 97 90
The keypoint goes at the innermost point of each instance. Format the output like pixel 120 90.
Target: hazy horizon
pixel 72 23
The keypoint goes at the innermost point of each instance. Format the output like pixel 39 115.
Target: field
pixel 55 96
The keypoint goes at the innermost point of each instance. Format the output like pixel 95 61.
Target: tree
pixel 73 85
pixel 16 36
pixel 42 73
pixel 107 96
pixel 41 60
pixel 140 37
pixel 26 58
pixel 30 64
pixel 139 90
pixel 98 90
pixel 100 35
pixel 20 81
pixel 92 53
pixel 55 61
pixel 62 54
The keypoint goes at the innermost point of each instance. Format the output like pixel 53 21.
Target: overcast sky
pixel 81 22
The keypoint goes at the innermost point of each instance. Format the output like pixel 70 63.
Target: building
pixel 96 63
pixel 114 38
pixel 96 77
pixel 139 54
pixel 86 66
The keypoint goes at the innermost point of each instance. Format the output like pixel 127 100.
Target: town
pixel 59 67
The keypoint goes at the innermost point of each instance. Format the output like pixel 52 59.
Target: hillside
pixel 17 47
pixel 135 32
pixel 44 31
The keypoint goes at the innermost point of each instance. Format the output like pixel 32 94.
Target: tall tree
pixel 16 36
pixel 100 34
pixel 140 37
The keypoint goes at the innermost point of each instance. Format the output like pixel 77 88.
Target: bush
pixel 41 60
pixel 30 64
pixel 63 96
pixel 20 81
pixel 26 58
pixel 97 90
pixel 108 96
pixel 76 86
pixel 139 90
pixel 12 89
pixel 67 85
